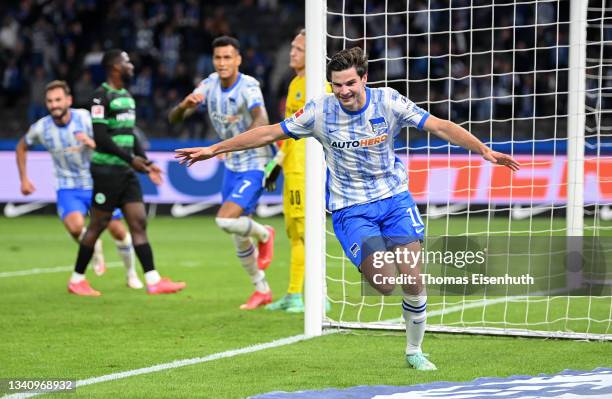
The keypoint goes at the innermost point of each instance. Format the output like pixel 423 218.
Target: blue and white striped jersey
pixel 361 163
pixel 230 113
pixel 70 157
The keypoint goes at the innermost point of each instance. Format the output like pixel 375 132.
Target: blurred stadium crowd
pixel 480 62
pixel 168 41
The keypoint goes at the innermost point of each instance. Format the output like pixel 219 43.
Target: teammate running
pixel 235 104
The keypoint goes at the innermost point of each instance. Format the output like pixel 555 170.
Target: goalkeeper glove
pixel 272 170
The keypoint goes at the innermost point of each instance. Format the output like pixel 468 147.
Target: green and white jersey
pixel 117 110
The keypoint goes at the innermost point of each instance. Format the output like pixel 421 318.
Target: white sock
pixel 77 277
pixel 247 253
pixel 152 277
pixel 98 255
pixel 126 252
pixel 259 231
pixel 244 226
pixel 415 314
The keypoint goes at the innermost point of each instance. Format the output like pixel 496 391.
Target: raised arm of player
pixel 185 108
pixel 27 187
pixel 254 138
pixel 457 135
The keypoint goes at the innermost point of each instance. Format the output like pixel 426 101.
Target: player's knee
pixel 124 240
pixel 117 229
pixel 138 227
pixel 385 289
pixel 141 223
pixel 382 285
pixel 74 223
pixel 381 279
pixel 229 225
pixel 138 230
pixel 75 230
pixel 413 289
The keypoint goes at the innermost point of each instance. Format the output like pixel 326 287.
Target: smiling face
pixel 349 88
pixel 226 60
pixel 58 102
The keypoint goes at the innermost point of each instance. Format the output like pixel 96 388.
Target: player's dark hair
pixel 223 41
pixel 111 57
pixel 58 84
pixel 346 59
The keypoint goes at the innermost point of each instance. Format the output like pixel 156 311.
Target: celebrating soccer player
pixel 367 185
pixel 117 155
pixel 67 134
pixel 235 104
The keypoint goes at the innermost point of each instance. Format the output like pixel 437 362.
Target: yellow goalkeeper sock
pixel 296 267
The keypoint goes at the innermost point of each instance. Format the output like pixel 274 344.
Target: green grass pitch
pixel 47 333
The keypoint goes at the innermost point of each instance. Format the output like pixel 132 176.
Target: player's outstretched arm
pixel 457 135
pixel 254 138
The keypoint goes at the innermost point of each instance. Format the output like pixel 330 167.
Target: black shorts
pixel 114 186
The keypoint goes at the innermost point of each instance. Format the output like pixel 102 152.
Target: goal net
pixel 529 78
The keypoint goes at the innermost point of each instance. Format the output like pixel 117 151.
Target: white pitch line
pixel 179 363
pixel 44 270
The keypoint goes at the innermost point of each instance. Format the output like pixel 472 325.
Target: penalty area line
pixel 179 363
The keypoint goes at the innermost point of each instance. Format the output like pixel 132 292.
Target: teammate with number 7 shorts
pixel 235 104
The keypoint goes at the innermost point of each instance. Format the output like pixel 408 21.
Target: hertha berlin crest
pixel 379 125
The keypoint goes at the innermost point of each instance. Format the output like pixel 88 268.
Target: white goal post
pixel 314 240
